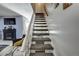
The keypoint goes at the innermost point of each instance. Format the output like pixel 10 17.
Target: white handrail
pixel 27 40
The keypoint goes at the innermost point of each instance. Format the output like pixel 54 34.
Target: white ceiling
pixel 7 12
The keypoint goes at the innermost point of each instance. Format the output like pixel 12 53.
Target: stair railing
pixel 27 40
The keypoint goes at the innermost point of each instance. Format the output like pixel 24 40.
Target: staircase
pixel 41 43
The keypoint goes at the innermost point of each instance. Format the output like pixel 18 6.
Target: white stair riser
pixel 47 42
pixel 40 25
pixel 33 42
pixel 39 28
pixel 32 51
pixel 40 31
pixel 48 51
pixel 40 18
pixel 39 22
pixel 40 36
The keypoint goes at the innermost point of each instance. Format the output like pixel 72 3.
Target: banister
pixel 27 40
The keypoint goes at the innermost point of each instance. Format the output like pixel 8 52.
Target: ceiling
pixel 4 11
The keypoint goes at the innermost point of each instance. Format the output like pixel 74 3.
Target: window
pixel 9 21
pixel 66 5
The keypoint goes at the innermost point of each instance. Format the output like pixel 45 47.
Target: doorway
pixel 38 7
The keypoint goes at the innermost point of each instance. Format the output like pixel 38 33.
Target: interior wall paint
pixel 67 41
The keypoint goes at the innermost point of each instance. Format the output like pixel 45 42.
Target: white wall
pixel 66 42
pixel 26 23
pixel 54 11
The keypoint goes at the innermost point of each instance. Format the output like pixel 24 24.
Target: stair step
pixel 40 51
pixel 33 51
pixel 39 18
pixel 41 47
pixel 41 54
pixel 40 26
pixel 40 29
pixel 41 21
pixel 40 34
pixel 39 42
pixel 39 14
pixel 43 39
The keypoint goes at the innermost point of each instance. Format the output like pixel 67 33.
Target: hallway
pixel 41 43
